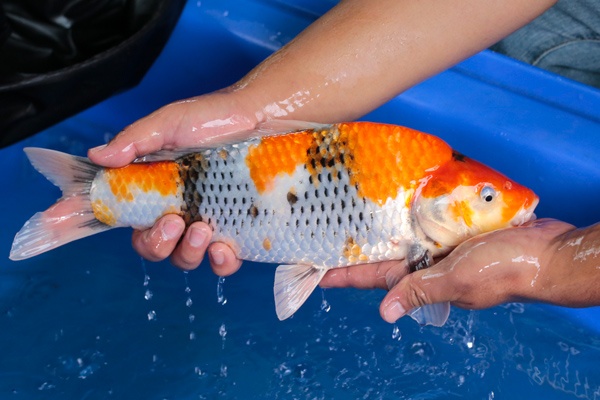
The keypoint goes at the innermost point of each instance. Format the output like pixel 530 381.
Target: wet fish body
pixel 311 199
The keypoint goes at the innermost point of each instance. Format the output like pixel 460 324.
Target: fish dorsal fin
pixel 264 129
pixel 293 285
pixel 281 126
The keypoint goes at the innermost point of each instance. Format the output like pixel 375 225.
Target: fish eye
pixel 488 194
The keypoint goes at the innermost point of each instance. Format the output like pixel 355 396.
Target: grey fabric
pixel 564 40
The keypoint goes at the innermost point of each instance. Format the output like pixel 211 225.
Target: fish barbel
pixel 309 197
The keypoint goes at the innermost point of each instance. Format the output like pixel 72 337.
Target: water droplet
pixel 192 335
pixel 220 297
pixel 223 371
pixel 152 315
pixel 46 386
pixel 189 302
pixel 192 317
pixel 146 279
pixel 325 306
pixel 223 334
pixel 396 334
pixel 469 339
pixel 148 295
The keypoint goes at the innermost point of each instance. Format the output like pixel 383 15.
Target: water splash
pixel 220 296
pixel 223 334
pixel 147 293
pixel 396 334
pixel 188 303
pixel 325 306
pixel 469 339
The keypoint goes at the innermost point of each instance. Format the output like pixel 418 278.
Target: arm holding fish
pixel 315 78
pixel 542 261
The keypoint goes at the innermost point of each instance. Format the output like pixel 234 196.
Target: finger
pixel 415 290
pixel 145 136
pixel 190 251
pixel 382 275
pixel 223 260
pixel 158 242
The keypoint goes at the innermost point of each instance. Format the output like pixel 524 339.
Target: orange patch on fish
pixel 462 210
pixel 353 252
pixel 103 213
pixel 267 244
pixel 162 177
pixel 276 155
pixel 387 158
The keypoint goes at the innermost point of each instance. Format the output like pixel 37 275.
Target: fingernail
pixel 98 148
pixel 393 312
pixel 170 230
pixel 197 237
pixel 217 257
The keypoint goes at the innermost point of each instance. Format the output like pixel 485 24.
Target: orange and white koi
pixel 310 199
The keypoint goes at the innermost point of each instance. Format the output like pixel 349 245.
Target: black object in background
pixel 59 57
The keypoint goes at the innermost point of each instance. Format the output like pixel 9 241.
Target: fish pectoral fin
pixel 418 258
pixel 293 285
pixel 431 314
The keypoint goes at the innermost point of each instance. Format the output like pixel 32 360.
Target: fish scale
pixel 310 199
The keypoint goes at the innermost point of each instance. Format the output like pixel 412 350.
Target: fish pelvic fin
pixel 431 314
pixel 71 217
pixel 293 285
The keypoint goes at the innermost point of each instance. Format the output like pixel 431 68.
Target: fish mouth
pixel 525 214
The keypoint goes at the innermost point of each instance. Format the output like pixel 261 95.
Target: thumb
pixel 415 290
pixel 144 136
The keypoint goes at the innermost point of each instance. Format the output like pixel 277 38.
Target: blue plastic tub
pixel 92 320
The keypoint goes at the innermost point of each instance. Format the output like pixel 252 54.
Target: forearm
pixel 568 270
pixel 572 276
pixel 362 53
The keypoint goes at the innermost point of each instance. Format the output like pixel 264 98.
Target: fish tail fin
pixel 71 217
pixel 293 285
pixel 431 314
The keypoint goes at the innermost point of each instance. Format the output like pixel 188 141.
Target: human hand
pixel 196 122
pixel 522 263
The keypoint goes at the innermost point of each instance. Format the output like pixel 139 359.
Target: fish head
pixel 464 198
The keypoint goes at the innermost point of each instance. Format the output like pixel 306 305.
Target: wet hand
pixel 186 248
pixel 490 269
pixel 196 122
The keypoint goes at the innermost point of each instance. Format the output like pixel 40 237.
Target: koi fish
pixel 313 198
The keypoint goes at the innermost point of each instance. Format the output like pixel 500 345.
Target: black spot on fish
pixel 458 156
pixel 253 211
pixel 292 198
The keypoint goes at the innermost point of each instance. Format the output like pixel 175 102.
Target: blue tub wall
pixel 87 300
